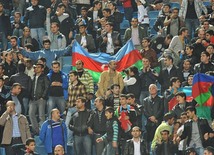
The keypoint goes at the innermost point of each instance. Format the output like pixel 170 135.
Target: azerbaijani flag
pixel 203 89
pixel 96 63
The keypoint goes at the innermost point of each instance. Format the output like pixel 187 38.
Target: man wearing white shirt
pixel 136 145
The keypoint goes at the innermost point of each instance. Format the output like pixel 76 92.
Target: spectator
pixel 186 69
pixel 170 92
pixel 35 16
pixel 136 33
pixel 111 134
pixel 165 125
pixel 85 77
pixel 159 26
pixel 5 28
pixel 159 43
pixel 9 66
pixel 106 80
pixel 168 72
pixel 14 48
pixel 47 53
pixel 205 66
pixel 25 81
pixel 79 125
pixel 58 89
pixel 85 40
pixel 143 17
pixel 107 15
pixel 113 100
pixel 58 40
pixel 26 39
pixel 2 75
pixel 54 132
pixel 181 106
pixel 66 25
pixel 166 146
pixel 19 6
pixel 210 50
pixel 38 97
pixel 59 150
pixel 76 88
pixel 153 111
pixel 190 12
pixel 193 129
pixel 149 52
pixel 43 61
pixel 209 151
pixel 29 70
pixel 135 142
pixel 16 128
pixel 98 124
pixel 30 147
pixel 132 82
pixel 148 76
pixel 17 25
pixel 128 9
pixel 177 44
pixel 189 54
pixel 70 9
pixel 118 16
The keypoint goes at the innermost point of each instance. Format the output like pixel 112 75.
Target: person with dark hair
pixel 170 92
pixel 5 28
pixel 159 43
pixel 17 25
pixel 168 121
pixel 189 53
pixel 195 130
pixel 205 66
pixel 136 33
pixel 30 145
pixel 66 25
pixel 209 150
pixel 35 15
pixel 132 82
pixel 70 9
pixel 153 111
pixel 136 142
pixel 79 124
pixel 111 135
pixel 43 61
pixel 110 41
pixel 166 146
pixel 169 71
pixel 26 83
pixel 178 44
pixel 38 97
pixel 113 99
pixel 107 15
pixel 58 89
pixel 53 132
pixel 97 126
pixel 14 48
pixel 47 53
pixel 186 70
pixel 76 88
pixel 181 106
pixel 148 52
pixel 210 50
pixel 173 23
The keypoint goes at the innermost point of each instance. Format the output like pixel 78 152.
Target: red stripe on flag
pixel 200 87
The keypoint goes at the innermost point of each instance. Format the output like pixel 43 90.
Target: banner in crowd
pixel 96 63
pixel 203 89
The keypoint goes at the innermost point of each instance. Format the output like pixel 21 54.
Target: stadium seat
pixel 135 14
pixel 175 5
pixel 152 22
pixel 153 14
pixel 66 64
pixel 207 3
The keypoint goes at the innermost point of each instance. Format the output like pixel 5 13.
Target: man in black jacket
pixel 79 124
pixel 131 143
pixel 195 130
pixel 38 97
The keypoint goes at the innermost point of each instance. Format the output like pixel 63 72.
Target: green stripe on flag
pixel 203 97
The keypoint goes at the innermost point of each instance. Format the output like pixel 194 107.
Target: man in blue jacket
pixel 58 90
pixel 53 132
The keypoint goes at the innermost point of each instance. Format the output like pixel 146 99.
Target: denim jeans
pixel 3 40
pixel 38 34
pixel 110 150
pixel 82 143
pixel 56 102
pixel 199 150
pixel 99 147
pixel 26 105
pixel 67 122
pixel 192 25
pixel 34 106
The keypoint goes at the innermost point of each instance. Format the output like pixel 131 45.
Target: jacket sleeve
pixel 46 87
pixel 42 132
pixel 27 128
pixel 48 24
pixel 31 55
pixel 126 151
pixel 3 118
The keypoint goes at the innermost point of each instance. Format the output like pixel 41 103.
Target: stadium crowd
pixel 128 113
